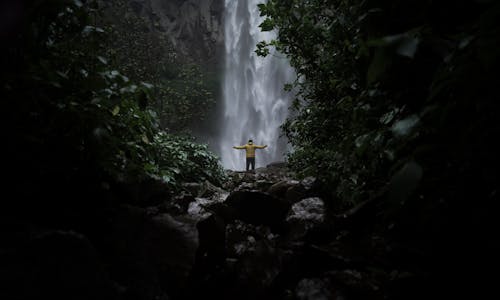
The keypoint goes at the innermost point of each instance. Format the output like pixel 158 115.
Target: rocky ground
pixel 272 237
pixel 263 235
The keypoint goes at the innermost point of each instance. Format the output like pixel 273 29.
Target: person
pixel 250 152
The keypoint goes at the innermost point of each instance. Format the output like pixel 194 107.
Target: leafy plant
pixel 179 159
pixel 383 83
pixel 182 92
pixel 74 120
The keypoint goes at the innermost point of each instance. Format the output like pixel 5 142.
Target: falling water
pixel 255 104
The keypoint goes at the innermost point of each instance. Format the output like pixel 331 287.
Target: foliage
pixel 397 112
pixel 182 91
pixel 185 98
pixel 385 83
pixel 332 131
pixel 72 119
pixel 179 159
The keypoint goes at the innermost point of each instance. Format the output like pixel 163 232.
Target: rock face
pixel 195 28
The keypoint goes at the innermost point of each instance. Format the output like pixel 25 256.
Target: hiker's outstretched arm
pixel 260 147
pixel 239 147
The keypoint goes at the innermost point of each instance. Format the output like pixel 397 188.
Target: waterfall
pixel 255 104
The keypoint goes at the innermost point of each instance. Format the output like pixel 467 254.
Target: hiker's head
pixel 250 141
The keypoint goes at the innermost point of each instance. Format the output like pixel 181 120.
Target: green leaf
pixel 102 60
pixel 267 25
pixel 116 110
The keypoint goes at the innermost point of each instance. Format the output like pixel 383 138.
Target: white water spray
pixel 255 104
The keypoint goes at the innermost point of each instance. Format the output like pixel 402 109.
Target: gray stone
pixel 195 28
pixel 279 189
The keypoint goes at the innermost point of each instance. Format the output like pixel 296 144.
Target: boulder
pixel 257 208
pixel 263 184
pixel 242 237
pixel 212 244
pixel 306 215
pixel 246 186
pixel 209 190
pixel 315 288
pixel 179 204
pixel 295 193
pixel 150 256
pixel 194 188
pixel 279 189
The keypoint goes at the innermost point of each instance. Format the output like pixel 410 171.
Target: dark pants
pixel 251 161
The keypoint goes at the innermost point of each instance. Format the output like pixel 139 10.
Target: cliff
pixel 195 28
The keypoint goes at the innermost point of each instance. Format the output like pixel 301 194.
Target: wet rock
pixel 295 193
pixel 178 205
pixel 263 184
pixel 235 179
pixel 242 237
pixel 315 289
pixel 309 182
pixel 209 190
pixel 249 177
pixel 305 216
pixel 246 186
pixel 194 188
pixel 275 172
pixel 201 208
pixel 259 266
pixel 310 210
pixel 203 190
pixel 279 189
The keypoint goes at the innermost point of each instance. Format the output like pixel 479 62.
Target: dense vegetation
pixel 396 116
pixel 74 121
pixel 183 90
pixel 398 102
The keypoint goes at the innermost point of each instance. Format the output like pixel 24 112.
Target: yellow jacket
pixel 250 149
